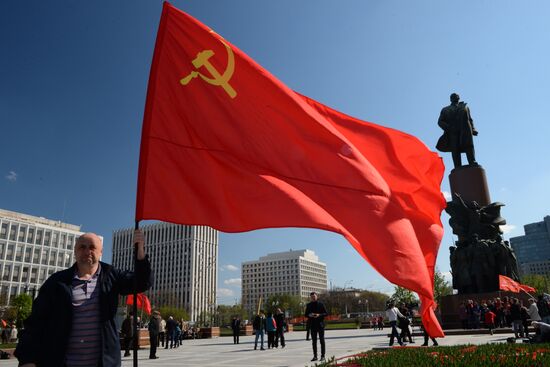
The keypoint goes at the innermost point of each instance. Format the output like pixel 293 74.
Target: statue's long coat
pixel 458 128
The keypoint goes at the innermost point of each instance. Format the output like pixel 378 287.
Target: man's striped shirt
pixel 85 338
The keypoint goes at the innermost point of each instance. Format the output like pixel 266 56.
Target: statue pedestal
pixel 470 183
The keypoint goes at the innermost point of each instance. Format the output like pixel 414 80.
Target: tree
pixel 176 313
pixel 540 282
pixel 225 313
pixel 22 307
pixel 441 287
pixel 286 302
pixel 403 295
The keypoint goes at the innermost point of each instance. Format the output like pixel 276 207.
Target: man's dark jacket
pixel 47 330
pixel 316 323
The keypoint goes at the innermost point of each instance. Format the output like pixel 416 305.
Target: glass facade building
pixel 533 249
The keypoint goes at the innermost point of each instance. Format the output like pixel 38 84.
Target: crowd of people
pixel 504 312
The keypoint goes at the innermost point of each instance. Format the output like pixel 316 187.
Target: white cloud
pixel 447 195
pixel 233 281
pixel 507 228
pixel 224 292
pixel 12 176
pixel 230 267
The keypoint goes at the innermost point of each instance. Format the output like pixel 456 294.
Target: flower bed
pixel 462 355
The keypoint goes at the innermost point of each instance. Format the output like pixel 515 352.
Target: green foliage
pixel 488 355
pixel 441 287
pixel 403 295
pixel 540 282
pixel 286 302
pixel 176 313
pixel 338 302
pixel 225 313
pixel 22 307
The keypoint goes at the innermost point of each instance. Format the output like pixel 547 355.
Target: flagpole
pixel 134 307
pixel 521 289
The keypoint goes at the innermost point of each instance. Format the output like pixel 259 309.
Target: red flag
pixel 226 144
pixel 508 284
pixel 527 289
pixel 142 302
pixel 4 323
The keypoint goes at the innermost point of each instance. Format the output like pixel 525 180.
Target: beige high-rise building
pixel 184 260
pixel 31 249
pixel 292 272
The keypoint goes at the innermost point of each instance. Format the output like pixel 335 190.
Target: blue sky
pixel 73 78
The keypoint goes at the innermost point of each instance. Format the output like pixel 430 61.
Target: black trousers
pixel 321 333
pixel 153 340
pixel 280 337
pixel 235 336
pixel 394 333
pixel 128 344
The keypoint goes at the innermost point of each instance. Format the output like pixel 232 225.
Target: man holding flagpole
pixel 73 318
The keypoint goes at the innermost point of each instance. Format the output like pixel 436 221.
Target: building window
pixel 13 232
pixel 28 252
pixel 10 252
pixel 4 231
pixel 36 256
pixel 30 236
pixel 7 272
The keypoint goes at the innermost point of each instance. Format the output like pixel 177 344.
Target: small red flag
pixel 4 323
pixel 142 302
pixel 527 288
pixel 226 144
pixel 508 284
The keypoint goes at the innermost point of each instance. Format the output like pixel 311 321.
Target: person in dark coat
pixel 458 131
pixel 236 327
pixel 154 330
pixel 127 331
pixel 53 336
pixel 171 332
pixel 316 312
pixel 280 334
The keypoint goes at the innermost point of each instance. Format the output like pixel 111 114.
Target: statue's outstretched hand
pixel 474 132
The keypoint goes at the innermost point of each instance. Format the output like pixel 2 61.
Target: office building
pixel 292 272
pixel 31 249
pixel 533 249
pixel 184 260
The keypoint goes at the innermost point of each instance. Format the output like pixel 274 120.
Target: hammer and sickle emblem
pixel 222 80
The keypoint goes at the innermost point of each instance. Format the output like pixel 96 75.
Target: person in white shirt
pixel 533 310
pixel 392 314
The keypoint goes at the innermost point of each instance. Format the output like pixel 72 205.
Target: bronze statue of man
pixel 458 131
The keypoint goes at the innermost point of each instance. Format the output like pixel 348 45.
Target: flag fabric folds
pixel 508 284
pixel 142 302
pixel 226 144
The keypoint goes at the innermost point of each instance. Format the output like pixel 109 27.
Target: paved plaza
pixel 297 353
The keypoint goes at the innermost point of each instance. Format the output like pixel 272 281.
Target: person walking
pixel 515 315
pixel 316 312
pixel 127 331
pixel 405 323
pixel 236 328
pixel 73 318
pixel 162 333
pixel 280 333
pixel 259 326
pixel 170 332
pixel 393 314
pixel 154 330
pixel 271 328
